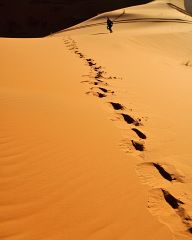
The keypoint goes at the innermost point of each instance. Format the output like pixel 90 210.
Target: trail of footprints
pixel 179 207
pixel 100 88
pixel 169 174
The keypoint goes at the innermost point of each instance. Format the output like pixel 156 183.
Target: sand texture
pixel 95 129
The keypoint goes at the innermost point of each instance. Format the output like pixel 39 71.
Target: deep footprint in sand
pixel 106 90
pixel 103 90
pixel 138 146
pixel 99 82
pixel 97 94
pixel 139 133
pixel 170 209
pixel 99 74
pixel 171 200
pixel 158 174
pixel 100 95
pixel 97 68
pixel 90 62
pixel 117 106
pixel 166 175
pixel 128 119
pixel 79 53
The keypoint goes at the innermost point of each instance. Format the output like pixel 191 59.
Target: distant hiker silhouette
pixel 109 25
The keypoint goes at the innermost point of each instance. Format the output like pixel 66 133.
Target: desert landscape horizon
pixel 96 122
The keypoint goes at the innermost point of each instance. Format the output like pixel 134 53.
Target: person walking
pixel 109 25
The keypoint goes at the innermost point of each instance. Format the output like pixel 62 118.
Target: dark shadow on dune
pixel 38 18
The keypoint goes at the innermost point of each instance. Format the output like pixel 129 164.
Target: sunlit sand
pixel 96 129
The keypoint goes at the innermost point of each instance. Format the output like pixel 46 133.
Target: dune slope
pixel 149 52
pixel 63 175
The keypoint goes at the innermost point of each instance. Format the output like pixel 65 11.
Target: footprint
pixel 128 119
pixel 181 221
pixel 97 68
pixel 106 90
pixel 177 205
pixel 158 174
pixel 138 146
pixel 139 133
pixel 117 106
pixel 103 89
pixel 98 94
pixel 78 53
pixel 99 74
pixel 171 200
pixel 90 62
pixel 188 63
pixel 164 173
pixel 96 83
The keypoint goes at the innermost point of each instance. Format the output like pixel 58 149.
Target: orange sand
pixel 68 171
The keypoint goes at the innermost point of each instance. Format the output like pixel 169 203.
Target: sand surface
pixel 96 129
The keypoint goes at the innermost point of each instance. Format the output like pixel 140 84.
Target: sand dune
pixel 63 175
pixel 95 129
pixel 151 51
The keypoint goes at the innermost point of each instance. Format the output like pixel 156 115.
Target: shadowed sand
pixel 38 18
